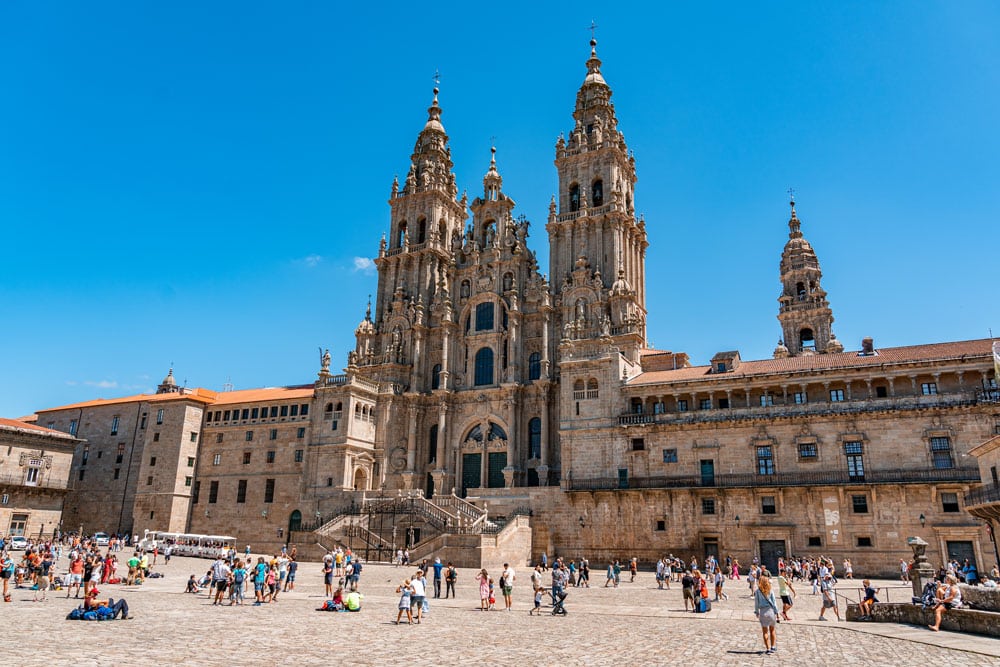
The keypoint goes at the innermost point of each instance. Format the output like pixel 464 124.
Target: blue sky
pixel 203 183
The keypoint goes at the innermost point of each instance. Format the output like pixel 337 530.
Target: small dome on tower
pixel 780 352
pixel 834 345
pixel 169 384
pixel 621 286
pixel 434 115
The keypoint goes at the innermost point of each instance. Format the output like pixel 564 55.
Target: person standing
pixel 829 597
pixel 418 593
pixel 220 579
pixel 451 575
pixel 328 577
pixel 438 568
pixel 766 610
pixel 508 578
pixel 484 589
pixel 786 592
pixel 687 591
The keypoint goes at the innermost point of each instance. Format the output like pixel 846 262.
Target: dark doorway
pixel 623 478
pixel 707 472
pixel 472 473
pixel 711 548
pixel 294 521
pixel 770 552
pixel 961 551
pixel 430 486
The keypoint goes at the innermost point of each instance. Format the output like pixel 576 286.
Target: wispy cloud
pixel 101 384
pixel 364 265
pixel 311 261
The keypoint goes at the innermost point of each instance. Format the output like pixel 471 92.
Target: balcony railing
pixel 983 495
pixel 752 480
pixel 45 482
pixel 794 409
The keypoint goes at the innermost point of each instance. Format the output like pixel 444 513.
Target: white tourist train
pixel 188 544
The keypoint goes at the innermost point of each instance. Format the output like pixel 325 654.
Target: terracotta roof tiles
pixel 18 425
pixel 263 394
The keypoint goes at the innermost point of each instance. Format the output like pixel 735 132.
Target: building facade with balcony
pixel 34 478
pixel 983 502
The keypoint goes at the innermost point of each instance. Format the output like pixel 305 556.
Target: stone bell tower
pixel 804 312
pixel 597 245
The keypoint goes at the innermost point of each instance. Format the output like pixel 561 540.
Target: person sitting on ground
pixel 868 602
pixel 192 586
pixel 949 597
pixel 91 603
pixel 353 601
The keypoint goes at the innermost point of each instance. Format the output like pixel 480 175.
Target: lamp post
pixel 923 520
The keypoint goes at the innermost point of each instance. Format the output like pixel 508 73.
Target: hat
pixel 93 591
pixel 437 560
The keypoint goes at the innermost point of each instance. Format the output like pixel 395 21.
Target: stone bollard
pixel 922 572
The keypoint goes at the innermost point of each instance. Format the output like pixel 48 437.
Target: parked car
pixel 101 539
pixel 18 542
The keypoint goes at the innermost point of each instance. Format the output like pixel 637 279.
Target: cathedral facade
pixel 475 377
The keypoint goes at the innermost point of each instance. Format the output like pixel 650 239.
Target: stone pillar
pixel 445 374
pixel 922 571
pixel 546 323
pixel 543 469
pixel 892 387
pixel 415 360
pixel 411 440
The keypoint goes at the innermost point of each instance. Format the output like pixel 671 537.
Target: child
pixel 192 586
pixel 493 599
pixel 539 591
pixel 405 590
pixel 869 601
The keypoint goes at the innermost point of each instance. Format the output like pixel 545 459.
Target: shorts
pixel 258 586
pixel 75 579
pixel 221 585
pixel 281 576
pixel 507 590
pixel 416 602
pixel 787 599
pixel 4 574
pixel 291 577
pixel 688 594
pixel 829 604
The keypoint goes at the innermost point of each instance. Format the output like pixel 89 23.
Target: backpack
pixel 75 615
pixel 238 577
pixel 452 574
pixel 503 581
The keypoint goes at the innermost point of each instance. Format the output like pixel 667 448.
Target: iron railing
pixel 752 480
pixel 983 495
pixel 43 481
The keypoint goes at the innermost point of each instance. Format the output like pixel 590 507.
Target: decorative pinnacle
pixel 368 310
pixel 794 227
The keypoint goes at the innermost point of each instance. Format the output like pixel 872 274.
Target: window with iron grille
pixel 765 460
pixel 708 505
pixel 941 452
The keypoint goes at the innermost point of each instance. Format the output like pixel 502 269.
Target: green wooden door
pixel 471 472
pixel 497 462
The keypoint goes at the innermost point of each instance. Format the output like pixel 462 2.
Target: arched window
pixel 535 438
pixel 329 408
pixel 442 232
pixel 592 388
pixel 402 234
pixel 484 367
pixel 357 409
pixel 340 407
pixel 534 366
pixel 807 340
pixel 800 290
pixel 637 406
pixel 436 377
pixel 432 445
pixel 421 230
pixel 597 192
pixel 484 317
pixel 574 197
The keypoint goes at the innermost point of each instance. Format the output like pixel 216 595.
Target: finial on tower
pixel 368 310
pixel 793 222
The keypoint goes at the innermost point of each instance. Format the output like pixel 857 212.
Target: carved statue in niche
pixel 605 325
pixel 581 310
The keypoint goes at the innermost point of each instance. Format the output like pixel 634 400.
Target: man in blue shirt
pixel 438 567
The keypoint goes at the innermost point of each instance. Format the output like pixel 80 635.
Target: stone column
pixel 411 440
pixel 415 360
pixel 445 374
pixel 543 469
pixel 515 430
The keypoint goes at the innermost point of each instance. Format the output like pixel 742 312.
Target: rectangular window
pixel 142 421
pixel 118 472
pixel 187 481
pixel 218 437
pixel 723 403
pixel 638 444
pixel 659 408
pixel 217 459
pixel 881 391
pixel 31 478
pixel 225 416
pixel 274 434
pixel 194 436
pixel 269 457
pixel 152 461
pixel 333 425
pixel 301 432
pixel 85 455
pixel 159 416
pixel 766 400
pixel 269 491
pixel 864 542
pixel 156 437
pixel 246 458
pixel 295 411
pixel 241 491
pixel 249 436
pixel 213 492
pixel 765 460
pixel 149 481
pixel 705 404
pixel 121 452
pixel 661 525
pixel 670 456
pixel 767 505
pixel 855 460
pixel 808 450
pixel 72 427
pixel 815 541
pixel 484 317
pixel 254 413
pixel 80 476
pixel 274 411
pixel 800 397
pixel 682 405
pixel 115 422
pixel 928 388
pixel 949 502
pixel 284 410
pixel 720 367
pixel 304 409
pixel 859 504
pixel 299 453
pixel 195 492
pixel 190 462
pixel 941 452
pixel 245 414
pixel 708 505
pixel 836 395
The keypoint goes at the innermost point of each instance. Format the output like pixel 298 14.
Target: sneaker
pixel 823 618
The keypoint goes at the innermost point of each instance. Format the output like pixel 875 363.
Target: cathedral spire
pixel 794 227
pixel 492 181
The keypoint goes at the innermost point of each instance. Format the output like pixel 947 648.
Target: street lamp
pixel 923 520
pixel 737 520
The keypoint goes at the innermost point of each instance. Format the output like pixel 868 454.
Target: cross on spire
pixel 593 29
pixel 791 194
pixel 437 77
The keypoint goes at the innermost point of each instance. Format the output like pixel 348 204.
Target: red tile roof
pixel 263 394
pixel 823 362
pixel 18 425
pixel 200 395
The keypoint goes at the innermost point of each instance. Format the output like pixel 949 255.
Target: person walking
pixel 507 585
pixel 766 610
pixel 786 592
pixel 451 574
pixel 484 589
pixel 438 568
pixel 829 597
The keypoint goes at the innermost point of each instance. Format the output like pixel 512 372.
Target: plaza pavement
pixel 635 624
